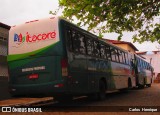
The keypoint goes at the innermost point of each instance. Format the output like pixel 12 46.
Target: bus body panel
pixel 43 66
pixel 36 72
pixel 34 57
pixel 143 71
pixel 98 69
pixel 121 73
pixel 51 65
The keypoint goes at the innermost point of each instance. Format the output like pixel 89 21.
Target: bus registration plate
pixel 33 76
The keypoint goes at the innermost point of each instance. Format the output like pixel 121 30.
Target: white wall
pixel 155 62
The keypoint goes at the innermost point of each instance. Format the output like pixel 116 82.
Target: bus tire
pixel 140 86
pixel 144 82
pixel 129 83
pixel 101 94
pixel 149 85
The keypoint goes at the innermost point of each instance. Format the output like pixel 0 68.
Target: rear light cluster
pixel 64 65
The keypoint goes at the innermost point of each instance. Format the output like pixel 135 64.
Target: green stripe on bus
pixel 25 55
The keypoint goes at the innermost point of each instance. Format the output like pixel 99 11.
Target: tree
pixel 107 16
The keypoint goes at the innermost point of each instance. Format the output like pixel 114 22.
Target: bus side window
pixel 132 63
pixel 76 41
pixel 127 60
pixel 96 48
pixel 102 51
pixel 108 52
pixel 139 63
pixel 123 57
pixel 144 64
pixel 120 56
pixel 113 54
pixel 117 55
pixel 148 66
pixel 82 48
pixel 69 39
pixel 89 44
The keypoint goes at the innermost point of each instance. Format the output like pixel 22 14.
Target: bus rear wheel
pixel 101 94
pixel 141 86
pixel 129 83
pixel 149 85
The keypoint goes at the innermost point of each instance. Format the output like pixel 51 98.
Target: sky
pixel 14 12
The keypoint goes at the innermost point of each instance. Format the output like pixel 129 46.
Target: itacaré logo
pixel 28 38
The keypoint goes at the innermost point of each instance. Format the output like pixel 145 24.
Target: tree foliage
pixel 105 16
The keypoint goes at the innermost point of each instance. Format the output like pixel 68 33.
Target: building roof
pixel 145 52
pixel 141 52
pixel 121 42
pixel 4 26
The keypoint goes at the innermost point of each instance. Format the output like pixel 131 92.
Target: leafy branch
pixel 105 16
